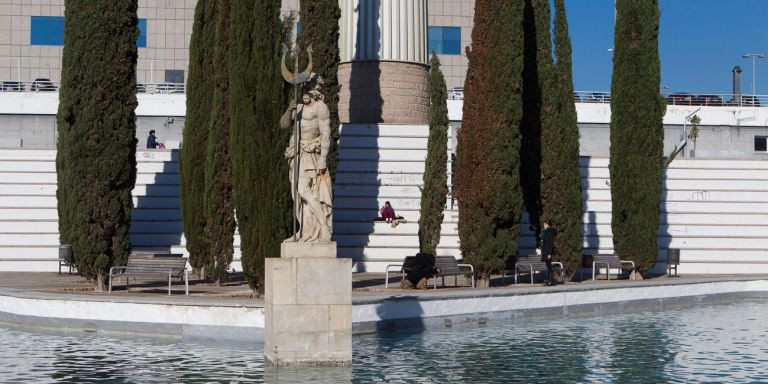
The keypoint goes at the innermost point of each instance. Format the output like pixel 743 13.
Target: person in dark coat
pixel 548 249
pixel 151 140
pixel 422 267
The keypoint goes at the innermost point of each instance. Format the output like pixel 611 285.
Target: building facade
pixel 32 40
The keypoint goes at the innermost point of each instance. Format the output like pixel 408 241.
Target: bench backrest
pixel 143 264
pixel 609 259
pixel 447 265
pixel 525 263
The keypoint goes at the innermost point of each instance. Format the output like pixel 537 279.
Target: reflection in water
pixel 715 343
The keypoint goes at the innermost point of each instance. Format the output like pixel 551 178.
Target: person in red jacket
pixel 387 212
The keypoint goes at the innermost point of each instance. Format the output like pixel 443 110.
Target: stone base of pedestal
pixel 308 306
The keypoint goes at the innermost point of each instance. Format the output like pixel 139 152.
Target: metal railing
pixel 682 98
pixel 53 86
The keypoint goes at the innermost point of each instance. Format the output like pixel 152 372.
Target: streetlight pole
pixel 753 56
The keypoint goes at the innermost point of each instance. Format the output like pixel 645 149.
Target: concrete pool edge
pixel 244 320
pixel 399 312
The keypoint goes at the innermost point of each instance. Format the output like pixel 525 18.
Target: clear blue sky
pixel 699 43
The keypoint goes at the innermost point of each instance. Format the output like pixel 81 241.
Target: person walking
pixel 548 249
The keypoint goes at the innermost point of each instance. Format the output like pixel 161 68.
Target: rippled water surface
pixel 713 343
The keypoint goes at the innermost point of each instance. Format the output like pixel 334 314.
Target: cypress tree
pixel 561 178
pixel 219 207
pixel 320 28
pixel 433 194
pixel 490 200
pixel 200 85
pixel 637 134
pixel 535 61
pixel 96 157
pixel 258 98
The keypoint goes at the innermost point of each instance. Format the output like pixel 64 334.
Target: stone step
pixel 348 142
pixel 688 173
pixel 384 130
pixel 50 167
pixel 393 240
pixel 139 202
pixel 142 156
pixel 389 254
pixel 50 190
pixel 138 214
pixel 360 178
pixel 694 195
pixel 50 178
pixel 382 228
pixel 374 191
pixel 371 203
pixel 370 215
pixel 50 155
pixel 347 154
pixel 381 167
pixel 691 207
pixel 52 239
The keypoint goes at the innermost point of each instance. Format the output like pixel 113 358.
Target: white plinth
pixel 308 306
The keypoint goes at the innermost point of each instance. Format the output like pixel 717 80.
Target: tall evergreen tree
pixel 200 84
pixel 535 61
pixel 96 158
pixel 433 194
pixel 637 134
pixel 561 178
pixel 320 28
pixel 219 207
pixel 490 199
pixel 258 99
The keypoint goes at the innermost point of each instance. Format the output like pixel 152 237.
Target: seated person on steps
pixel 387 212
pixel 388 215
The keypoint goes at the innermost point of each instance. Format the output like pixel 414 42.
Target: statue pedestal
pixel 308 304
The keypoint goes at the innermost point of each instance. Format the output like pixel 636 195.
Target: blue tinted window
pixel 444 40
pixel 49 30
pixel 141 42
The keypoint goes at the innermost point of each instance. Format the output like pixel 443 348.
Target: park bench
pixel 610 261
pixel 144 265
pixel 401 268
pixel 531 264
pixel 446 266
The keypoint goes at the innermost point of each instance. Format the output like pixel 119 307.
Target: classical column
pixel 383 71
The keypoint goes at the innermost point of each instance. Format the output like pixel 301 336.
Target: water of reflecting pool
pixel 711 343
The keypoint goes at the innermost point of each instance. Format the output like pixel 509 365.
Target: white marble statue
pixel 315 189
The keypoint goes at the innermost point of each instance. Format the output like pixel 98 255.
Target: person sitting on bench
pixel 421 269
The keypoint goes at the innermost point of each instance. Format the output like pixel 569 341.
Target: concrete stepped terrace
pixel 714 210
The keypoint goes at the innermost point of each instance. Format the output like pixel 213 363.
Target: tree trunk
pixel 483 282
pixel 199 272
pixel 100 283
